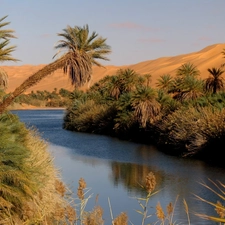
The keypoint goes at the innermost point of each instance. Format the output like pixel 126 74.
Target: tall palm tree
pixel 146 107
pixel 187 69
pixel 5 50
pixel 79 52
pixel 214 82
pixel 114 87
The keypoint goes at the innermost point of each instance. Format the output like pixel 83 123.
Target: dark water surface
pixel 114 169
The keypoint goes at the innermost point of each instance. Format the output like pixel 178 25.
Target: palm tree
pixel 146 107
pixel 223 53
pixel 187 69
pixel 128 78
pixel 5 50
pixel 5 34
pixel 114 87
pixel 81 51
pixel 189 88
pixel 214 82
pixel 165 82
pixel 124 81
pixel 148 79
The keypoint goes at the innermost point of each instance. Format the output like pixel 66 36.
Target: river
pixel 114 169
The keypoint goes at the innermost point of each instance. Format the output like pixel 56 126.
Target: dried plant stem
pixel 145 213
pixel 187 211
pixel 110 208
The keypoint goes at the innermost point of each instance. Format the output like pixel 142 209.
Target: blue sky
pixel 136 30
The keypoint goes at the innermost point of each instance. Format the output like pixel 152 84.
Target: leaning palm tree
pixel 214 82
pixel 80 51
pixel 187 69
pixel 5 50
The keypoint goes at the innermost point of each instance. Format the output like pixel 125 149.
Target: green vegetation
pixel 45 98
pixel 31 191
pixel 184 115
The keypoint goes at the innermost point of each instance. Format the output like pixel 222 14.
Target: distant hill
pixel 206 58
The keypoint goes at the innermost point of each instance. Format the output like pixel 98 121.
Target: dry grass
pixel 31 188
pixel 48 203
pixel 218 189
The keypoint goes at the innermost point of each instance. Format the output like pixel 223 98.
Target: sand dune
pixel 206 58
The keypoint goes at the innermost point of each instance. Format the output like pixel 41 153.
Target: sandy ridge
pixel 206 58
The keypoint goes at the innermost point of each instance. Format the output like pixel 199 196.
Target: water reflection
pixel 120 181
pixel 132 176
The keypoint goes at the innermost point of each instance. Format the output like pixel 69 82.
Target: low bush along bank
pixel 45 98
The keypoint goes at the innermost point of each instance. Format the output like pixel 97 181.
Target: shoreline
pixel 41 108
pixel 22 106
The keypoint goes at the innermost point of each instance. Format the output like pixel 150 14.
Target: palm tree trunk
pixel 32 80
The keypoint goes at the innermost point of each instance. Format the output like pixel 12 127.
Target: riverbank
pixel 23 106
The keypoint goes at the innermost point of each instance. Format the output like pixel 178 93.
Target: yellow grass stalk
pixel 219 208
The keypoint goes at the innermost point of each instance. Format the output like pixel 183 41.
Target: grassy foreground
pixel 31 191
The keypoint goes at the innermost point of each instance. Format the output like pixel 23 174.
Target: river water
pixel 114 170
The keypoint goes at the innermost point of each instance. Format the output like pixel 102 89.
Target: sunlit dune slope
pixel 206 58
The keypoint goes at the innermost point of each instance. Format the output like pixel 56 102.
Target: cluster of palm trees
pixel 186 84
pixel 125 105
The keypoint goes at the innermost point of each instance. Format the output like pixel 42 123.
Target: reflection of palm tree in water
pixel 132 176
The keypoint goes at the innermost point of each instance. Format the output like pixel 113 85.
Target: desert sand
pixel 208 57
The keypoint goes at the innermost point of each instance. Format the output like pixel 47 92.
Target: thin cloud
pixel 132 26
pixel 204 39
pixel 151 40
pixel 199 41
pixel 46 35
